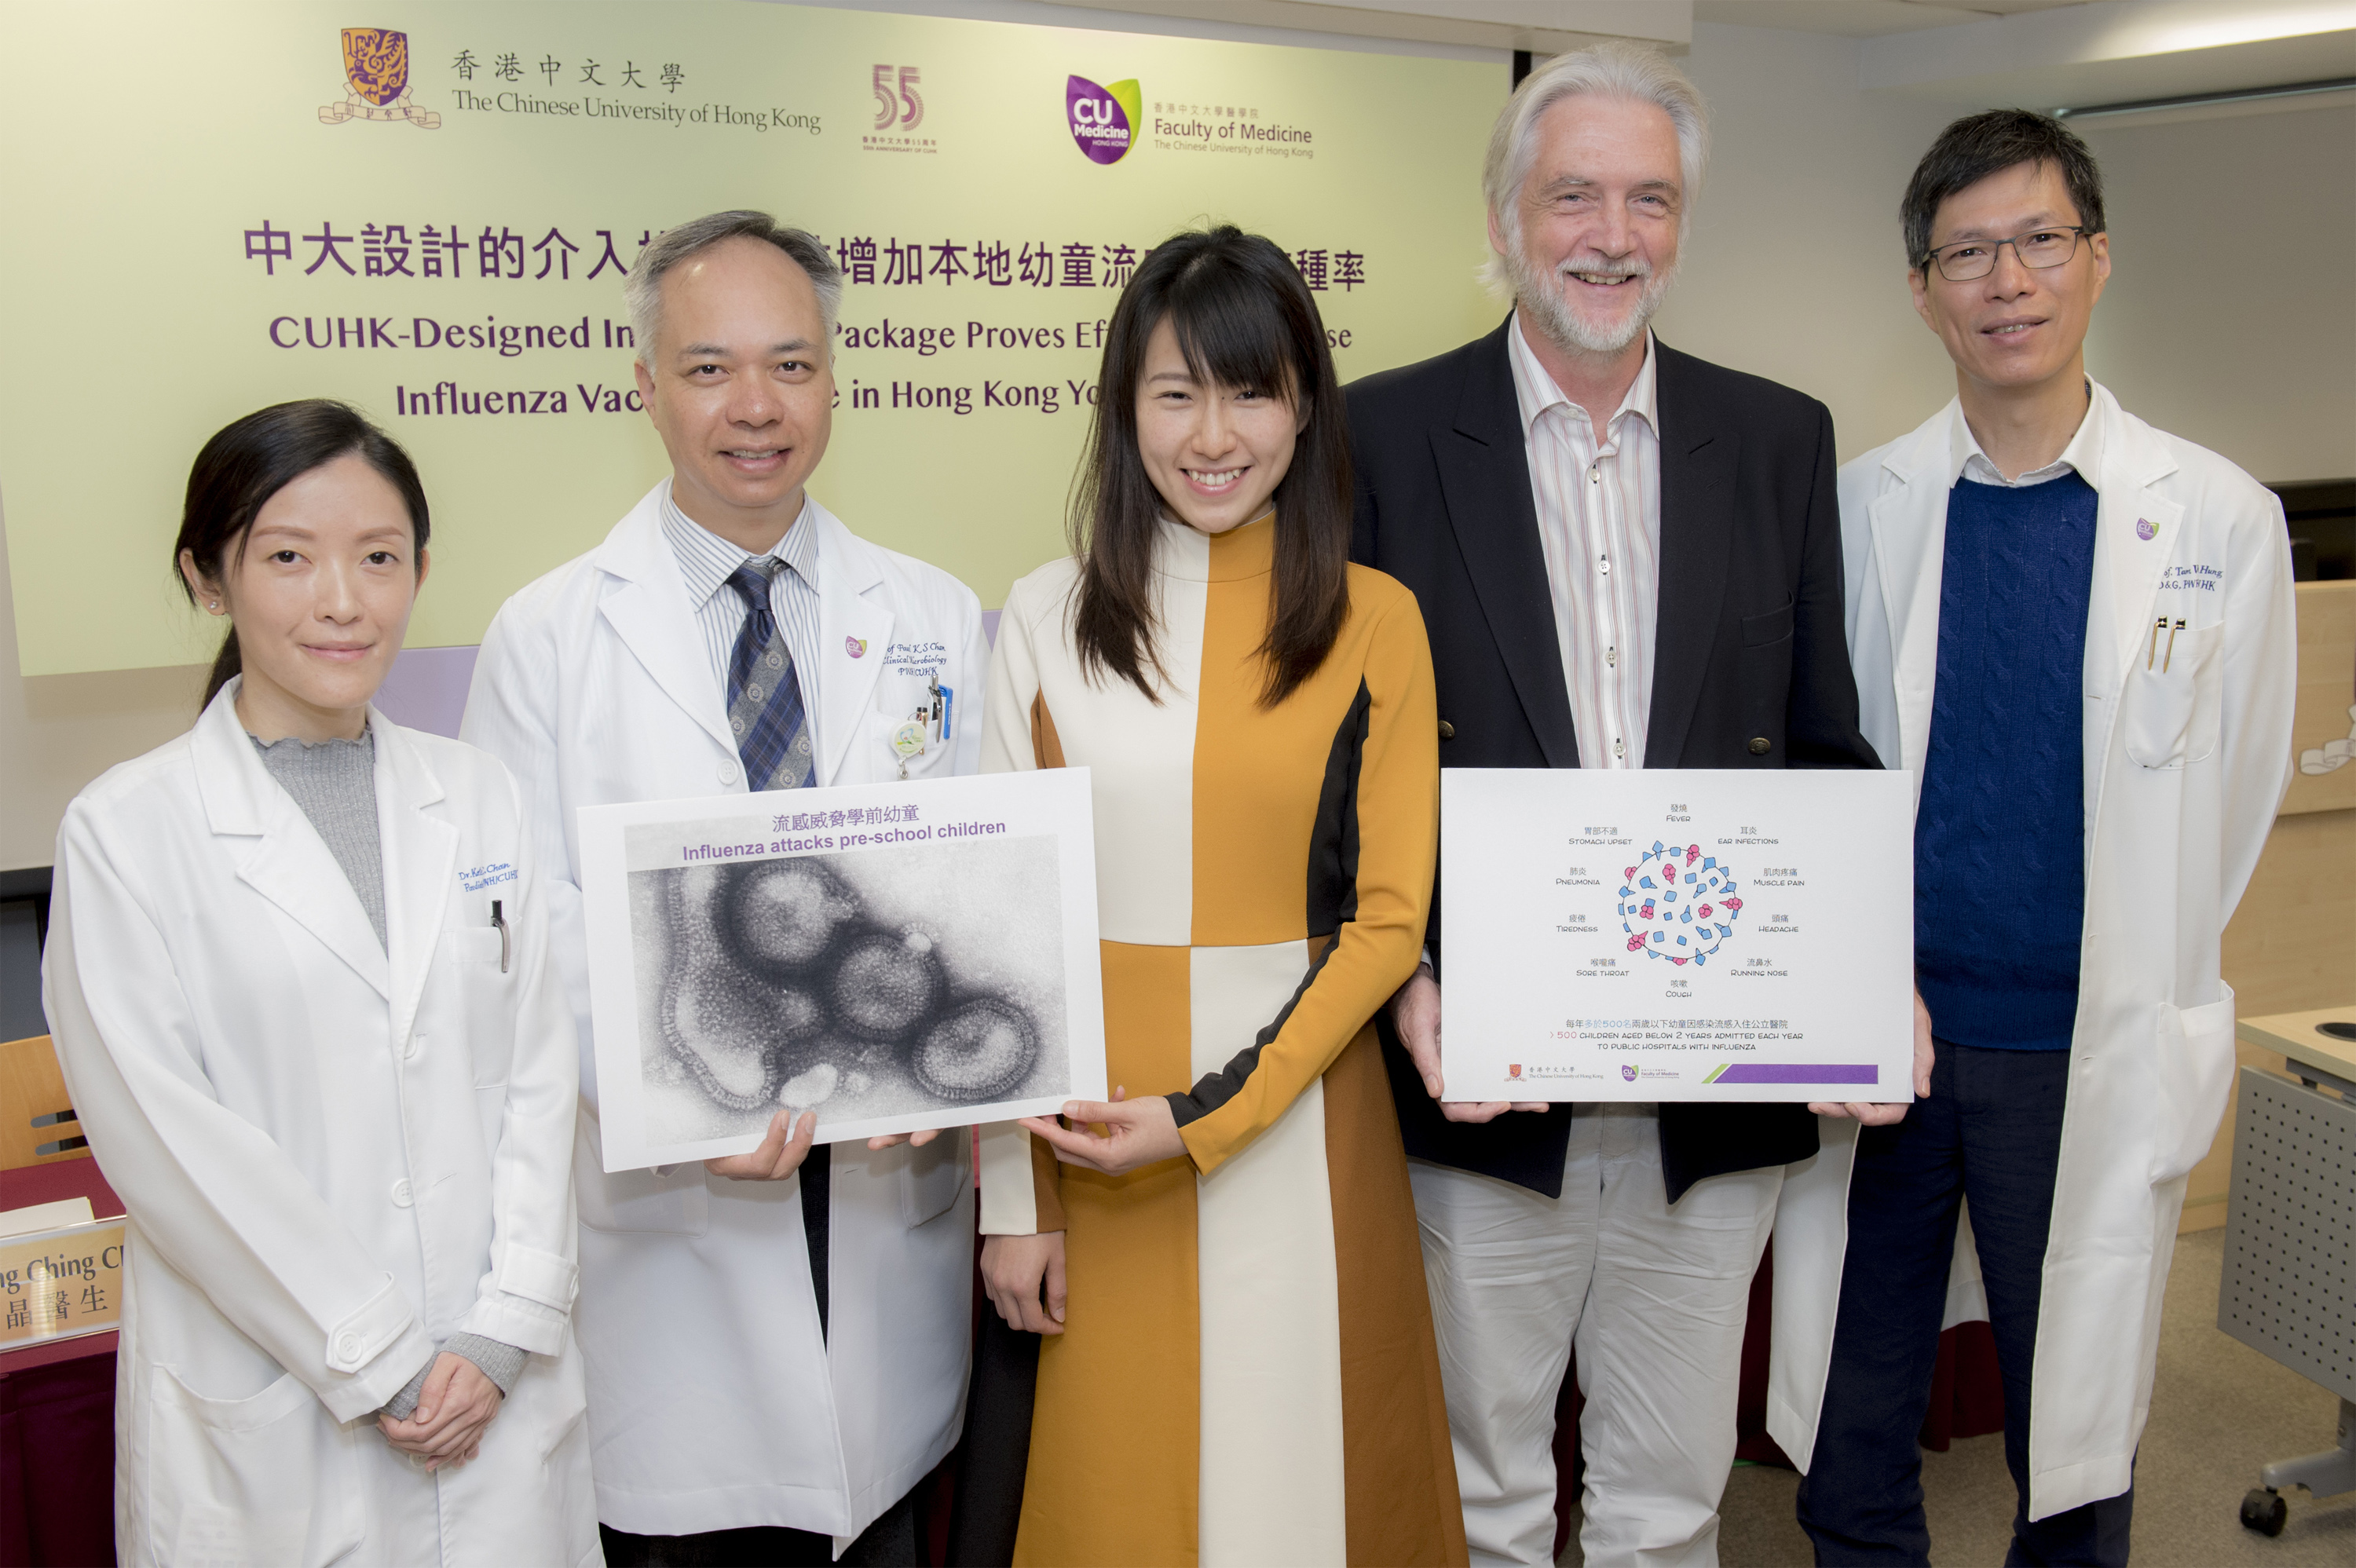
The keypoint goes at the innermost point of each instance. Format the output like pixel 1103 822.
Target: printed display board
pixel 430 216
pixel 1677 935
pixel 894 956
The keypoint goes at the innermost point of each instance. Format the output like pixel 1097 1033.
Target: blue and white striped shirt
pixel 706 561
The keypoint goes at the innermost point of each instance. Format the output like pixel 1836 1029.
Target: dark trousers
pixel 1991 1133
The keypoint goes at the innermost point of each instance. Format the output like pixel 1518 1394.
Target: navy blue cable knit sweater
pixel 1999 862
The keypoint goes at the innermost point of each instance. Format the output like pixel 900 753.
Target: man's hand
pixel 446 1427
pixel 1013 1267
pixel 893 1140
pixel 1415 1010
pixel 1879 1115
pixel 779 1154
pixel 1139 1133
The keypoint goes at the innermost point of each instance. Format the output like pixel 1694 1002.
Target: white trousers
pixel 1654 1297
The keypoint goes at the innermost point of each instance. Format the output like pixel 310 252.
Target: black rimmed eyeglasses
pixel 1967 260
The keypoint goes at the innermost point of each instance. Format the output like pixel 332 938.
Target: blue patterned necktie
pixel 765 700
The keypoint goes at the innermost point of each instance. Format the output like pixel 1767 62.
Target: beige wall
pixel 1794 268
pixel 58 732
pixel 1795 271
pixel 2231 315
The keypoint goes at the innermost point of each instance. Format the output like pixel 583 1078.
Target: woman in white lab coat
pixel 298 976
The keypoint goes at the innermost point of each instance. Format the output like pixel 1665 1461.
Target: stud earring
pixel 214 605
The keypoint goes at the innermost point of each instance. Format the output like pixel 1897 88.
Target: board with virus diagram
pixel 1676 935
pixel 893 957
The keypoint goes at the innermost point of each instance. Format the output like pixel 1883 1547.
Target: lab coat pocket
pixel 2194 1076
pixel 932 1177
pixel 549 1398
pixel 473 944
pixel 883 730
pixel 2169 712
pixel 674 1204
pixel 469 959
pixel 264 1479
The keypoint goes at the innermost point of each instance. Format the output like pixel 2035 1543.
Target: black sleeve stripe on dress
pixel 1333 838
pixel 1332 899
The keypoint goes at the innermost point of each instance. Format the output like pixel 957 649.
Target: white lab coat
pixel 334 1156
pixel 714 1403
pixel 2184 768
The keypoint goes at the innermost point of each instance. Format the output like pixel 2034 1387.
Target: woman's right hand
pixel 1012 1269
pixel 456 1406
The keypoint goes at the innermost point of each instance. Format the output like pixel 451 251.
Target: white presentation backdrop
pixel 1677 935
pixel 895 956
pixel 431 216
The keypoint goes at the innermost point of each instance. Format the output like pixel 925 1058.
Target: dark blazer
pixel 1750 668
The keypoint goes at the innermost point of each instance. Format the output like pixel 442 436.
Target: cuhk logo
pixel 1103 119
pixel 1628 1070
pixel 1513 1069
pixel 375 69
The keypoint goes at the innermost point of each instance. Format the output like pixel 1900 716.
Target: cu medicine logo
pixel 1103 120
pixel 375 69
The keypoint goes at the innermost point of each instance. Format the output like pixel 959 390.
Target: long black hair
pixel 250 460
pixel 1243 319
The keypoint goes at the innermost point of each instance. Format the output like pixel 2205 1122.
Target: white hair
pixel 642 286
pixel 1614 69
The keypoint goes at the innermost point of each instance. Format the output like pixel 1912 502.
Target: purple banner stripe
pixel 1801 1073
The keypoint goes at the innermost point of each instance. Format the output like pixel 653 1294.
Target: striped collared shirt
pixel 1598 510
pixel 705 563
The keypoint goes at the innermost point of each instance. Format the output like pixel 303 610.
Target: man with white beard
pixel 1626 558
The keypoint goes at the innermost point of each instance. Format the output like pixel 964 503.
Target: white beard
pixel 1566 328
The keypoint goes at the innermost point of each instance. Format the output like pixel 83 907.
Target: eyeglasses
pixel 1969 258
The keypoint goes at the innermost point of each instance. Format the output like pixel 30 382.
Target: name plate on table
pixel 56 1285
pixel 1676 935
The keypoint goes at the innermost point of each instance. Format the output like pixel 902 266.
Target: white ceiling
pixel 2114 51
pixel 2046 54
pixel 1863 18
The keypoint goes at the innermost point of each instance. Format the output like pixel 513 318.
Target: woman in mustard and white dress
pixel 1238 1362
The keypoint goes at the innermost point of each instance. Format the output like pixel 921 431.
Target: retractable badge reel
pixel 925 727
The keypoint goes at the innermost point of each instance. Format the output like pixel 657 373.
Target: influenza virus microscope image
pixel 858 985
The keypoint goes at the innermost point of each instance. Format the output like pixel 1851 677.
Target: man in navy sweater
pixel 2075 630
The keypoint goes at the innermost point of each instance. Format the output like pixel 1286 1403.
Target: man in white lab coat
pixel 2076 632
pixel 776 1343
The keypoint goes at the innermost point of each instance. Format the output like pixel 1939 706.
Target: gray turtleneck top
pixel 335 784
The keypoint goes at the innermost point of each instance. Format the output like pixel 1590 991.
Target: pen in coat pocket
pixel 499 924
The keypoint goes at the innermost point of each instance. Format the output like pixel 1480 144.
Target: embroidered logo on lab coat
pixel 855 647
